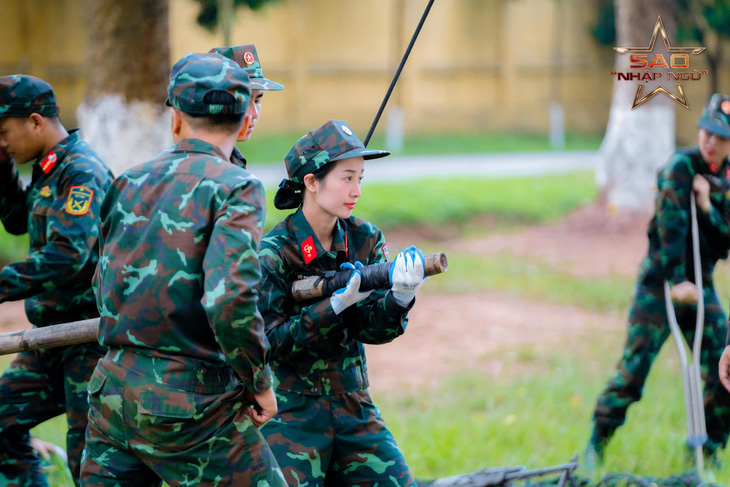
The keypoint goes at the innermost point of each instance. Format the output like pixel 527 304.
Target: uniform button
pixel 314 390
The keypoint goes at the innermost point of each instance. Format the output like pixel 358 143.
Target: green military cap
pixel 196 75
pixel 333 141
pixel 716 116
pixel 247 57
pixel 22 95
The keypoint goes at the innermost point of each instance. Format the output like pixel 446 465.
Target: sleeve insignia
pixel 79 200
pixel 385 252
pixel 46 191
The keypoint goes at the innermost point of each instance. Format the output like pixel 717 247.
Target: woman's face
pixel 338 192
pixel 714 149
pixel 254 110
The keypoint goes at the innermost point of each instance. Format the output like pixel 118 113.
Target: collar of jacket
pixel 198 145
pixel 238 158
pixel 55 157
pixel 305 236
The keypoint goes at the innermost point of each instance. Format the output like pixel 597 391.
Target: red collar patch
pixel 309 252
pixel 48 162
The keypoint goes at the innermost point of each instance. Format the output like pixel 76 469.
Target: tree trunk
pixel 639 141
pixel 123 116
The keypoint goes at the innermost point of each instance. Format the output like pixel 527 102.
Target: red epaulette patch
pixel 309 252
pixel 48 162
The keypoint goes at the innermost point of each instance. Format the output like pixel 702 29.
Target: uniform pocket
pixel 165 403
pixel 96 382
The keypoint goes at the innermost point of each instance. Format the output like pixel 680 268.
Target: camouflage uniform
pixel 247 57
pixel 670 257
pixel 59 211
pixel 327 425
pixel 177 287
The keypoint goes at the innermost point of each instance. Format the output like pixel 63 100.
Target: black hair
pixel 224 122
pixel 291 195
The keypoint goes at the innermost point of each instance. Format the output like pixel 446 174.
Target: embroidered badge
pixel 308 251
pixel 248 57
pixel 79 200
pixel 48 162
pixel 46 191
pixel 385 252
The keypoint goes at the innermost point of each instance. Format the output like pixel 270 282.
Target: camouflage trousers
pixel 648 330
pixel 334 440
pixel 153 419
pixel 39 385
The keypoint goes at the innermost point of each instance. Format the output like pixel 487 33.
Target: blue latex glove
pixel 407 275
pixel 345 297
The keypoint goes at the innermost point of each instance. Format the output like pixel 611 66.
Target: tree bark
pixel 123 116
pixel 640 141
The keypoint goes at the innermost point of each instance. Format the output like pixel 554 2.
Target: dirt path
pixel 486 331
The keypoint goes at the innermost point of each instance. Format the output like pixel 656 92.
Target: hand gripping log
pixel 374 276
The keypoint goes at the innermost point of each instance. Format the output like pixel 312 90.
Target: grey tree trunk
pixel 123 116
pixel 640 141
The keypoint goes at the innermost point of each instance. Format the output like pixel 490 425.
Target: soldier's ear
pixel 176 121
pixel 310 182
pixel 36 122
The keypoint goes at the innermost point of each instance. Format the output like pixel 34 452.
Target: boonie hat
pixel 22 95
pixel 196 75
pixel 247 57
pixel 333 141
pixel 716 116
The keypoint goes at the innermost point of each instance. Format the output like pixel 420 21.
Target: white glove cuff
pixel 403 299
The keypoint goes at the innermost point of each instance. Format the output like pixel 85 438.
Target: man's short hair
pixel 225 122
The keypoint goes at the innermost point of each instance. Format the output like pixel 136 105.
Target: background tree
pixel 639 141
pixel 124 116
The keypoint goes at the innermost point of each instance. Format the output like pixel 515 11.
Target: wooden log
pixel 49 336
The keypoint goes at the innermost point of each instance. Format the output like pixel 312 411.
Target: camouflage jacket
pixel 178 275
pixel 59 211
pixel 670 230
pixel 313 350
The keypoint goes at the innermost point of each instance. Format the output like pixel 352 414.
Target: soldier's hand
pixel 44 449
pixel 701 188
pixel 350 294
pixel 684 293
pixel 725 368
pixel 407 275
pixel 264 408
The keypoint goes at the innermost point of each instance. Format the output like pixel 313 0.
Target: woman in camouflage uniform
pixel 328 431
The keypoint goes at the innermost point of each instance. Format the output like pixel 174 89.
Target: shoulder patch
pixel 79 200
pixel 309 252
pixel 385 252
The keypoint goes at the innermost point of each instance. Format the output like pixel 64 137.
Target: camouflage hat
pixel 196 75
pixel 247 57
pixel 716 116
pixel 22 95
pixel 332 141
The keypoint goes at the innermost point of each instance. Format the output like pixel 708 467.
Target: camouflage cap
pixel 22 95
pixel 716 116
pixel 247 57
pixel 196 75
pixel 332 141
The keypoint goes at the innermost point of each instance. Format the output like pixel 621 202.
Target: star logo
pixel 248 57
pixel 659 60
